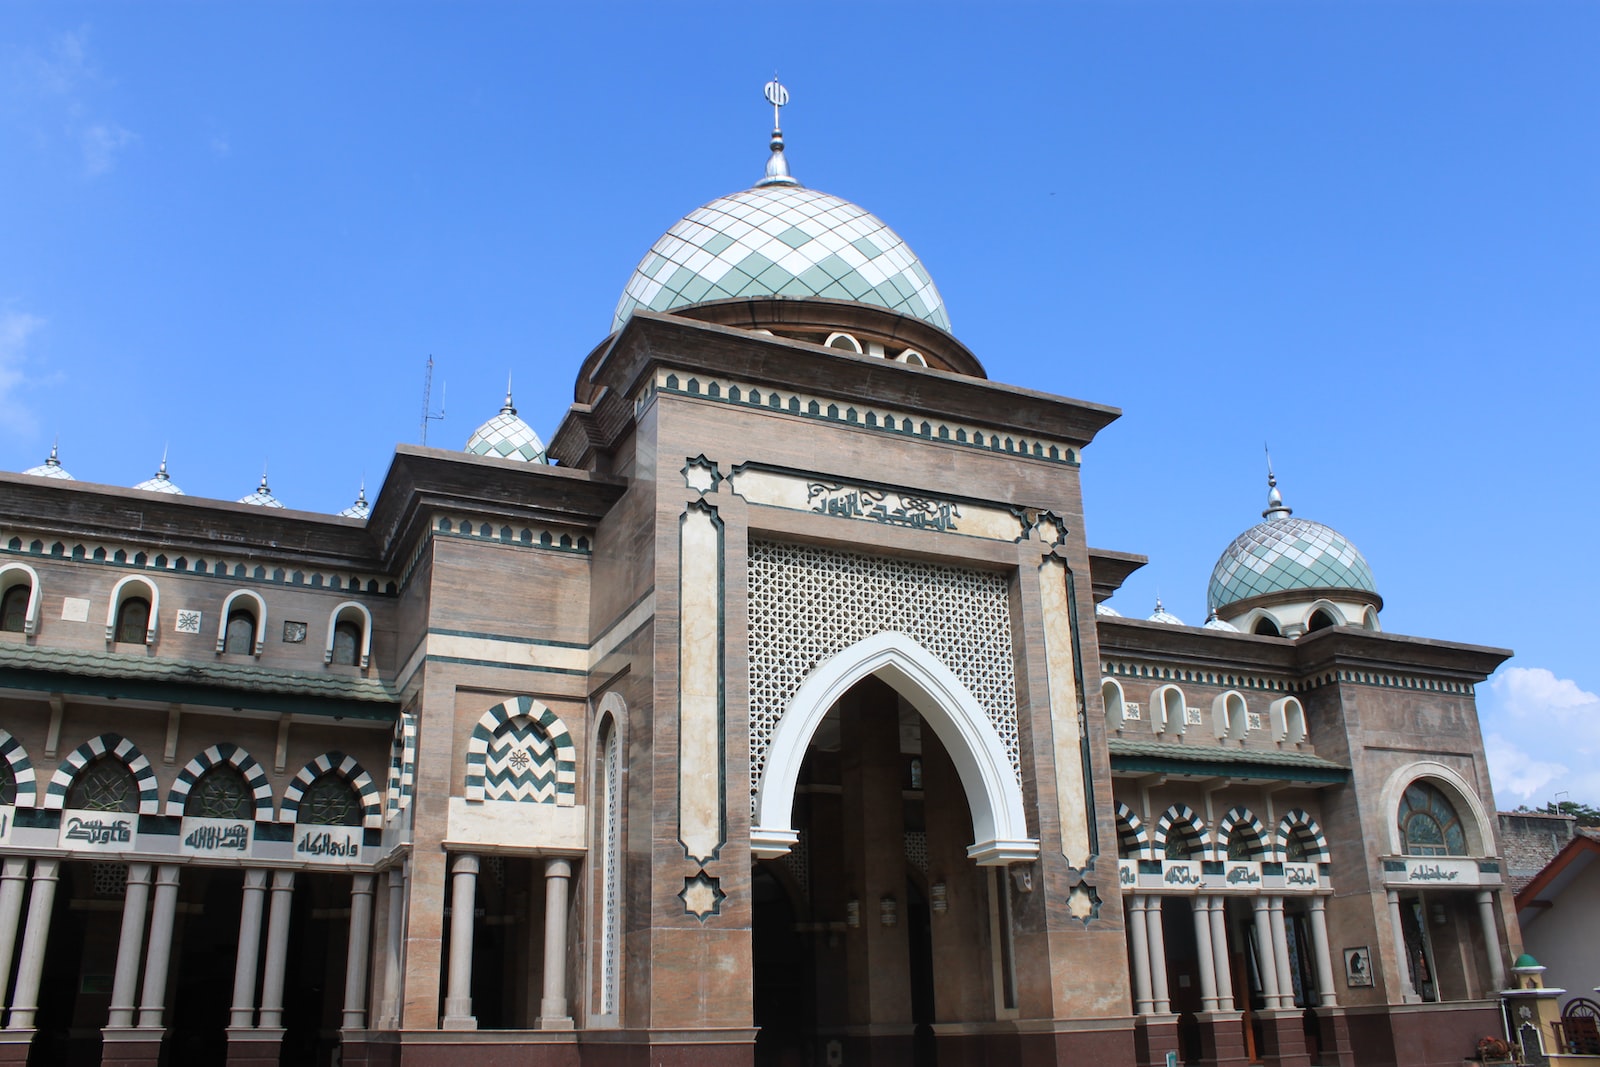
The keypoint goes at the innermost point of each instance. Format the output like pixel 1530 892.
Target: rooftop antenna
pixel 428 415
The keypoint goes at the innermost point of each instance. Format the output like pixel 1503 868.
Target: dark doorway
pixel 782 991
pixel 205 946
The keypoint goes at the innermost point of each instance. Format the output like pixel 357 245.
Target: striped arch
pixel 1132 835
pixel 1243 821
pixel 21 770
pixel 227 752
pixel 1181 817
pixel 348 769
pixel 1299 821
pixel 402 763
pixel 114 745
pixel 521 751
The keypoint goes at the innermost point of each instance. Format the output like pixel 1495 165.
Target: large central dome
pixel 782 239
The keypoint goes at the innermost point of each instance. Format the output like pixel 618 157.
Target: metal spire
pixel 53 460
pixel 1276 508
pixel 777 165
pixel 509 408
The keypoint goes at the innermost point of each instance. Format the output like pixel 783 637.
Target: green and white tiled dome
pixel 51 468
pixel 507 437
pixel 262 497
pixel 161 482
pixel 782 239
pixel 1283 554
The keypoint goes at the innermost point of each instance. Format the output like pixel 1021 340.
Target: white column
pixel 1491 940
pixel 1319 946
pixel 277 950
pixel 1266 965
pixel 13 879
pixel 1280 951
pixel 553 1003
pixel 1161 1002
pixel 1408 992
pixel 463 900
pixel 1207 959
pixel 30 968
pixel 163 915
pixel 391 950
pixel 355 967
pixel 1219 951
pixel 1138 924
pixel 243 1014
pixel 124 982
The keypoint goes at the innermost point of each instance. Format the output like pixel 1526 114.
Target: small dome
pixel 507 436
pixel 1162 615
pixel 1284 553
pixel 262 497
pixel 50 468
pixel 1214 622
pixel 781 239
pixel 160 482
pixel 1107 610
pixel 360 509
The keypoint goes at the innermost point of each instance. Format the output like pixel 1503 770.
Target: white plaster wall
pixel 1566 938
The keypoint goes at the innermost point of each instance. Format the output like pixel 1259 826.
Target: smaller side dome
pixel 160 482
pixel 51 468
pixel 1162 615
pixel 360 509
pixel 262 497
pixel 1107 610
pixel 1216 622
pixel 507 437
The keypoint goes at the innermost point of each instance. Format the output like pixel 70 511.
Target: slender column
pixel 277 950
pixel 1319 946
pixel 163 915
pixel 1408 992
pixel 1139 925
pixel 30 968
pixel 391 950
pixel 1219 951
pixel 1266 965
pixel 1491 940
pixel 1280 951
pixel 1207 961
pixel 13 878
pixel 243 1014
pixel 1161 1001
pixel 463 899
pixel 355 967
pixel 129 946
pixel 553 1003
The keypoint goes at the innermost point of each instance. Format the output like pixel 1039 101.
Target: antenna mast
pixel 428 415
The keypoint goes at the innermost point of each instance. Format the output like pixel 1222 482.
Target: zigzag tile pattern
pixel 521 751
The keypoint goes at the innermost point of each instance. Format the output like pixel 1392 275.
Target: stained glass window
pixel 330 801
pixel 221 793
pixel 1429 825
pixel 104 785
pixel 133 620
pixel 346 639
pixel 14 608
pixel 241 639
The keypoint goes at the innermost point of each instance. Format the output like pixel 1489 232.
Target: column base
pixel 1222 1039
pixel 1283 1038
pixel 131 1046
pixel 1153 1037
pixel 554 1022
pixel 14 1045
pixel 459 1022
pixel 1334 1032
pixel 254 1046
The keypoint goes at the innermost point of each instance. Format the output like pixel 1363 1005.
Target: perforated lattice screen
pixel 808 603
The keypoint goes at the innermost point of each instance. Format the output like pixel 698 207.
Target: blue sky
pixel 1364 232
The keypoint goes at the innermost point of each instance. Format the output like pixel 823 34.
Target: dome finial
pixel 509 408
pixel 54 459
pixel 1276 508
pixel 161 471
pixel 777 165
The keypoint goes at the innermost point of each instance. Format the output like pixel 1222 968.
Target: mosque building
pixel 772 713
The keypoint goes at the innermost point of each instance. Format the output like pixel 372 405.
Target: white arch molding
pixel 993 794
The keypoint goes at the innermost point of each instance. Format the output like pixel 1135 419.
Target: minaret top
pixel 777 165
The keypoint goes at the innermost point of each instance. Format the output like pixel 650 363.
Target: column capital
pixel 465 863
pixel 282 880
pixel 255 877
pixel 558 867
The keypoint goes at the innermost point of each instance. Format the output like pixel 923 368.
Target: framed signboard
pixel 1358 967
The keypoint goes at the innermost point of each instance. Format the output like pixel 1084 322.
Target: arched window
pixel 8 783
pixel 133 620
pixel 1230 717
pixel 1429 825
pixel 844 342
pixel 241 637
pixel 1184 842
pixel 331 801
pixel 1320 620
pixel 1111 697
pixel 346 644
pixel 221 793
pixel 1296 849
pixel 1130 842
pixel 104 785
pixel 14 608
pixel 1169 710
pixel 1266 627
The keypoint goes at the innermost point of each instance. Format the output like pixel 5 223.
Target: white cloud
pixel 1537 728
pixel 52 90
pixel 16 328
pixel 101 143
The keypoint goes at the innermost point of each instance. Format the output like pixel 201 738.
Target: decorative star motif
pixel 702 896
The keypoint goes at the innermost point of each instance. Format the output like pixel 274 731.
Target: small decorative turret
pixel 360 509
pixel 507 436
pixel 50 468
pixel 262 497
pixel 161 482
pixel 1162 615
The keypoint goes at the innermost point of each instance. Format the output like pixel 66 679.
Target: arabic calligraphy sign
pixel 97 831
pixel 327 844
pixel 215 837
pixel 883 505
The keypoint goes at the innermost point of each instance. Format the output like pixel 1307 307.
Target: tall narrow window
pixel 346 643
pixel 14 608
pixel 610 931
pixel 133 620
pixel 104 785
pixel 241 640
